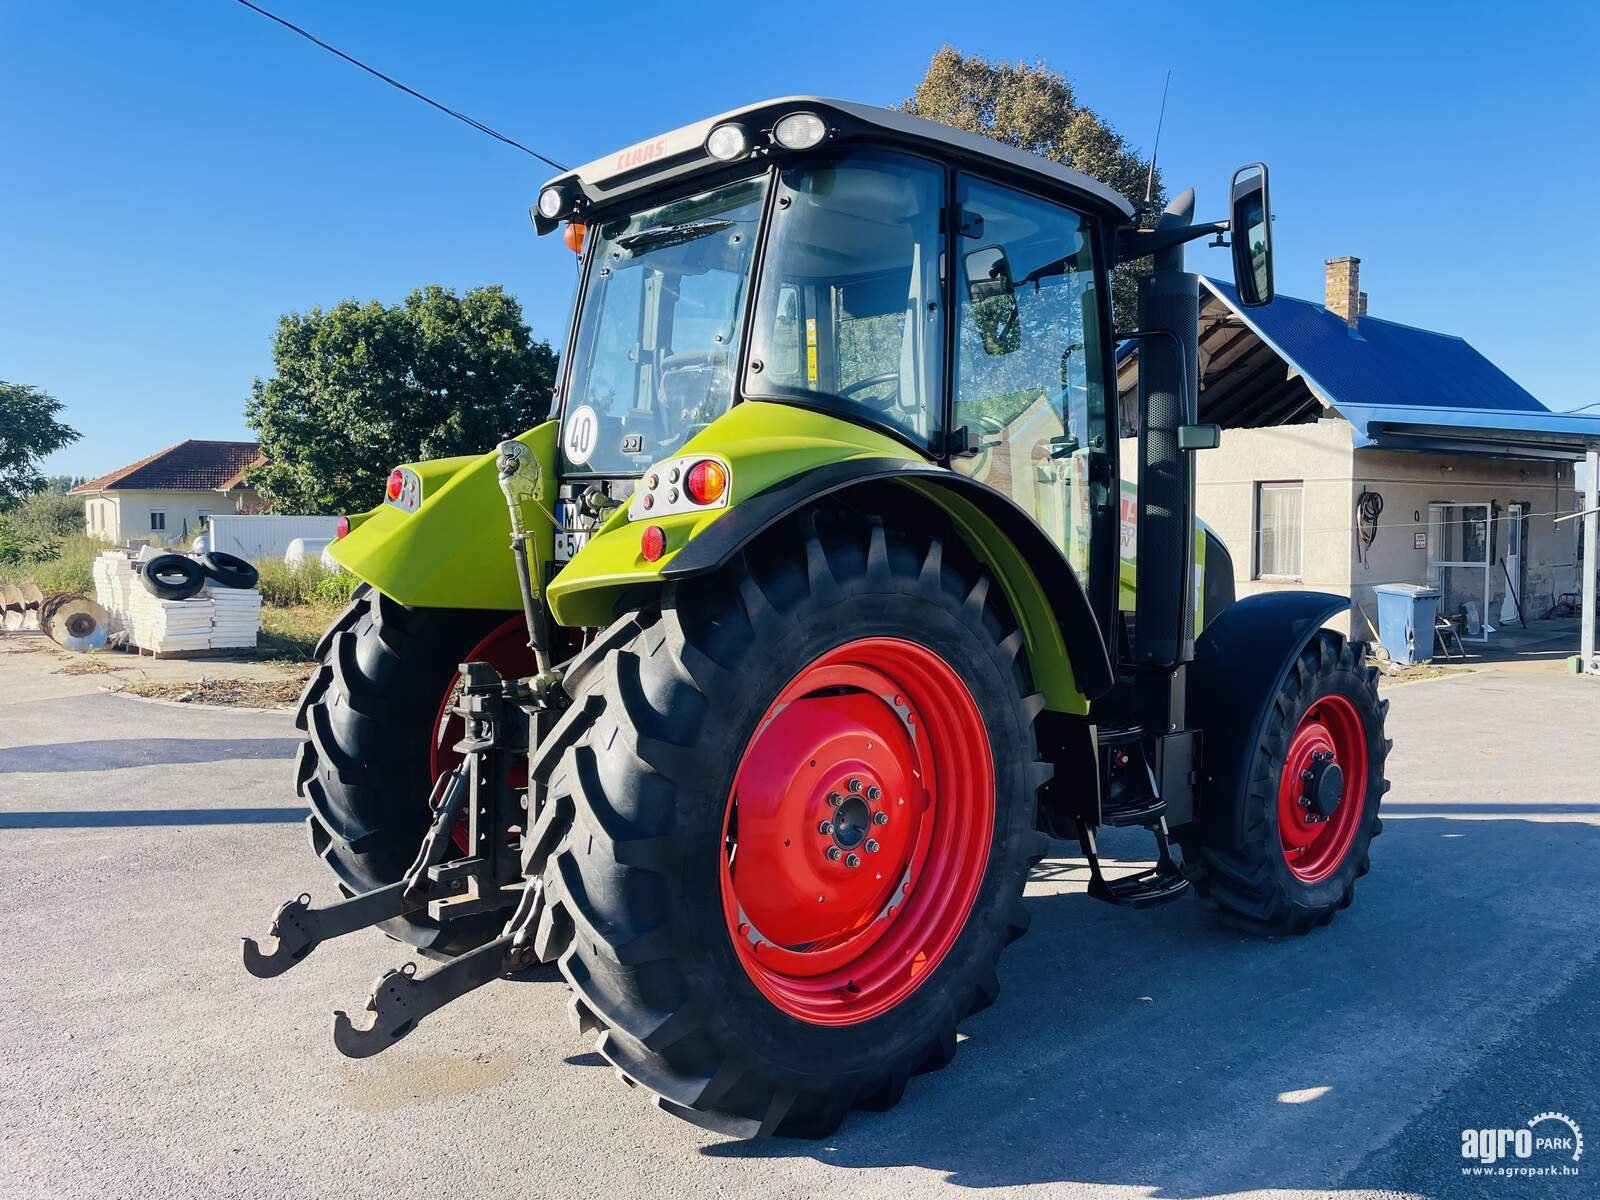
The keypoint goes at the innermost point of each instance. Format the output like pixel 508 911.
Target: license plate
pixel 568 544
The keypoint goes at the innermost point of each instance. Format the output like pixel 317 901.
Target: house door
pixel 1460 556
pixel 1511 571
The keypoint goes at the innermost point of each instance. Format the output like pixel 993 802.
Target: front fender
pixel 1240 662
pixel 454 550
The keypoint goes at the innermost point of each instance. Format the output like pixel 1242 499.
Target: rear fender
pixel 452 549
pixel 782 460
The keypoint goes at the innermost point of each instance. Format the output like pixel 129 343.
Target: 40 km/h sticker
pixel 581 432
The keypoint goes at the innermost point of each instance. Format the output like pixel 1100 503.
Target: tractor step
pixel 1161 884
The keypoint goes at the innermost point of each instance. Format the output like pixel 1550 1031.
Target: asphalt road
pixel 1130 1054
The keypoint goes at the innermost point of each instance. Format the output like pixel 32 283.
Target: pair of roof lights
pixel 797 131
pixel 727 143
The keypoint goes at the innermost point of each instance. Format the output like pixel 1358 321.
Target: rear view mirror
pixel 1250 230
pixel 988 274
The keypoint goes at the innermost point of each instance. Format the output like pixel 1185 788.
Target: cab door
pixel 1030 390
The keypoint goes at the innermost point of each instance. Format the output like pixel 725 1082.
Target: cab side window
pixel 1029 381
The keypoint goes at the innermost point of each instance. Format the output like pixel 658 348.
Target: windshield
pixel 658 335
pixel 849 315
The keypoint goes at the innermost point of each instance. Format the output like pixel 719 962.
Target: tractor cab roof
pixel 667 159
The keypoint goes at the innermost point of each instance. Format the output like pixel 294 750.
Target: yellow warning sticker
pixel 811 350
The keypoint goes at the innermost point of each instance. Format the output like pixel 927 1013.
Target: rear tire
pixel 632 841
pixel 1286 875
pixel 368 712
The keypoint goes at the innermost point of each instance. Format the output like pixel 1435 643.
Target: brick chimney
pixel 1342 294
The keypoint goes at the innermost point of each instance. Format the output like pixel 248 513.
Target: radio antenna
pixel 1150 176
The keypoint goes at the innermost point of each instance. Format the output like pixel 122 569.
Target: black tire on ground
pixel 368 712
pixel 629 841
pixel 1250 884
pixel 229 570
pixel 172 577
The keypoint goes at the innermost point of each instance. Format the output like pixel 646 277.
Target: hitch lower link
pixel 498 715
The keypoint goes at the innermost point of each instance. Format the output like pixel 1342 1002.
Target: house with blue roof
pixel 1359 451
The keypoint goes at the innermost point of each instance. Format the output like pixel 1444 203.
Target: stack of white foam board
pixel 114 584
pixel 168 626
pixel 236 617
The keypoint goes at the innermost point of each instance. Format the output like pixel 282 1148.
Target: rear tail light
pixel 397 483
pixel 706 481
pixel 653 543
pixel 341 528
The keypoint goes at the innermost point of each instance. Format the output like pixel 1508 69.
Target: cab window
pixel 849 314
pixel 1030 402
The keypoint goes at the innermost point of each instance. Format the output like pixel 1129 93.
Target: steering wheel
pixel 884 403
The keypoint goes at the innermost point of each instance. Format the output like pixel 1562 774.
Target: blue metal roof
pixel 1406 387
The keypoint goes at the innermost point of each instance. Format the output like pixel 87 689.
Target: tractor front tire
pixel 1293 866
pixel 370 714
pixel 787 824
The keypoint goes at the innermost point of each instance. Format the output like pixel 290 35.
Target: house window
pixel 158 522
pixel 1280 530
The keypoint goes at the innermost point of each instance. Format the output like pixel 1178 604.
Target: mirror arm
pixel 1141 243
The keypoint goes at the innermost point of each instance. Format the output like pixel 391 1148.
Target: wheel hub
pixel 845 879
pixel 1324 786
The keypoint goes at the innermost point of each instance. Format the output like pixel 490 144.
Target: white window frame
pixel 154 526
pixel 1261 485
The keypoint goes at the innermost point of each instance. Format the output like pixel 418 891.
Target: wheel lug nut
pixel 825 828
pixel 833 854
pixel 853 861
pixel 871 847
pixel 835 799
pixel 873 793
pixel 880 818
pixel 854 785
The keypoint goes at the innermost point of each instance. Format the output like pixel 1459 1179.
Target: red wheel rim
pixel 828 942
pixel 1327 758
pixel 506 650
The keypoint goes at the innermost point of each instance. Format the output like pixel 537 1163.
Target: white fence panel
pixel 259 538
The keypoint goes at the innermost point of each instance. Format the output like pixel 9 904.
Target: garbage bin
pixel 1405 620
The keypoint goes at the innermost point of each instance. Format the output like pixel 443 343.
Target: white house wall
pixel 1317 455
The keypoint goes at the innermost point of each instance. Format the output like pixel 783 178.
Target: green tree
pixel 29 430
pixel 1029 106
pixel 62 484
pixel 361 387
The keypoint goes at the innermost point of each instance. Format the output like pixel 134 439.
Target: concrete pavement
pixel 1130 1054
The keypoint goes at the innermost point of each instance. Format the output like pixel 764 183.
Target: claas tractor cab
pixel 750 687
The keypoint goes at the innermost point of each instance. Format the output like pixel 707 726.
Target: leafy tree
pixel 29 430
pixel 62 484
pixel 361 387
pixel 1036 109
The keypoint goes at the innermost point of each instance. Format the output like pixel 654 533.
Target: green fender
pixel 454 550
pixel 767 444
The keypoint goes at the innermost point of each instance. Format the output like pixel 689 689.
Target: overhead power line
pixel 410 91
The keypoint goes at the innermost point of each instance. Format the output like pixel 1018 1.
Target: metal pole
pixel 1591 536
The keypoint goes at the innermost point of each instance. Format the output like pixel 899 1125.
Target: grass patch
pixel 290 633
pixel 69 571
pixel 283 586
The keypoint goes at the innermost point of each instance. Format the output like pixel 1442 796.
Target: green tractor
pixel 750 688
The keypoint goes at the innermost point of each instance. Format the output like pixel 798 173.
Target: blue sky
pixel 179 174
